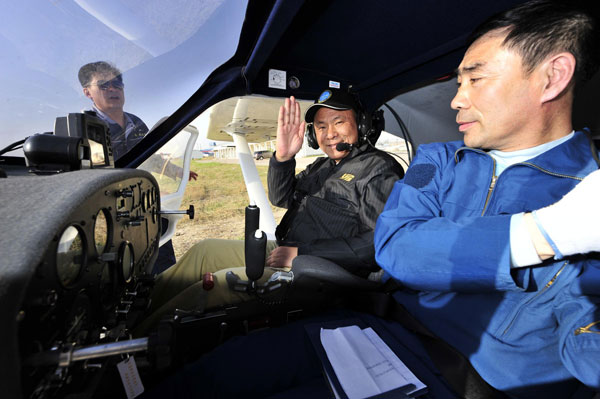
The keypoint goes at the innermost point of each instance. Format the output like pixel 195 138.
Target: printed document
pixel 364 365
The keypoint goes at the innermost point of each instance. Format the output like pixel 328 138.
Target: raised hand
pixel 290 130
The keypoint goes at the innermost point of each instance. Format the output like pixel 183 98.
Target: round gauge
pixel 293 82
pixel 101 231
pixel 126 261
pixel 70 256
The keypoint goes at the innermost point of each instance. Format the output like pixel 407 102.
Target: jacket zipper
pixel 550 173
pixel 494 177
pixel 546 287
pixel 580 330
pixel 587 329
pixel 490 189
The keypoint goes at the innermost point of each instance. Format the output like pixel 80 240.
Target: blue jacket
pixel 444 235
pixel 123 142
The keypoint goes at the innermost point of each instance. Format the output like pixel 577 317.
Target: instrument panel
pixel 82 268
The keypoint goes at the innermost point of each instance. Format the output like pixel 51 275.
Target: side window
pixel 167 165
pixel 170 165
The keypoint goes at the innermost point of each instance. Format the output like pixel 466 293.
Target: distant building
pixel 387 142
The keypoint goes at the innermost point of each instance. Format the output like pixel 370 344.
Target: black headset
pixel 369 128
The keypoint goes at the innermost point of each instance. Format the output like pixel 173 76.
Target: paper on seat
pixel 364 365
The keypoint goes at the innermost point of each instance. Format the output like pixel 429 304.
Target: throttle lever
pixel 190 212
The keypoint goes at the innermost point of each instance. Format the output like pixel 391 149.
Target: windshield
pixel 164 51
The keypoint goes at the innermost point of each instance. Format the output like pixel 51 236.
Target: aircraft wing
pixel 258 124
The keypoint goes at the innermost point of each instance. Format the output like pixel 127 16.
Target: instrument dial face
pixel 70 256
pixel 126 261
pixel 101 231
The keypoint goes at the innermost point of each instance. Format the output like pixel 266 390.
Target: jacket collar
pixel 572 158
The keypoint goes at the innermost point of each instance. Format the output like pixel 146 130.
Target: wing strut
pixel 256 191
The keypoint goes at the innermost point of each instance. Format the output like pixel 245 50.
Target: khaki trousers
pixel 180 286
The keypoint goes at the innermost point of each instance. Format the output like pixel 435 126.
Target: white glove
pixel 572 225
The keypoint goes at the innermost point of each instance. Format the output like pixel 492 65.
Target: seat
pixel 313 272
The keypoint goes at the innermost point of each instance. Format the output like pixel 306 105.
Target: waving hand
pixel 290 130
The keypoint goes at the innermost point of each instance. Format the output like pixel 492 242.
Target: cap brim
pixel 309 116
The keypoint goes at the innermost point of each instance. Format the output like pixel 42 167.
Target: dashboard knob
pixel 125 193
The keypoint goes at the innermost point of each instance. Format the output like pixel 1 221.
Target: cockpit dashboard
pixel 82 280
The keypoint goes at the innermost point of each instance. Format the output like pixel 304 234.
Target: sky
pixel 166 49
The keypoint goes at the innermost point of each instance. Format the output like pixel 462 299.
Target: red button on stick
pixel 208 281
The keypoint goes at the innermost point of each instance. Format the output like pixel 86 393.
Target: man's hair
pixel 87 72
pixel 540 28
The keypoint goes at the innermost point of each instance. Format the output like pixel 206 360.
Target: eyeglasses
pixel 105 85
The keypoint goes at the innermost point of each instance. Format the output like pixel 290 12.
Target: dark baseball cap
pixel 334 99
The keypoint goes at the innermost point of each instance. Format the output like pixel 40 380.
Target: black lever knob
pixel 125 193
pixel 252 220
pixel 122 214
pixel 190 212
pixel 255 244
pixel 254 253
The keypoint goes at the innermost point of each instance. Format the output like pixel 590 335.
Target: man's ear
pixel 557 72
pixel 87 93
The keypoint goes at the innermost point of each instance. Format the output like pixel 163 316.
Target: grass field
pixel 219 197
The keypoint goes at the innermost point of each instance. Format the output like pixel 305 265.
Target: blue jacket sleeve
pixel 419 245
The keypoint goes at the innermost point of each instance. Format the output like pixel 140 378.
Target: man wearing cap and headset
pixel 332 205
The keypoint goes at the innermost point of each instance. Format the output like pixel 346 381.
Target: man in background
pixel 103 84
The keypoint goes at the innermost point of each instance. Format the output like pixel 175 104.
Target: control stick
pixel 255 246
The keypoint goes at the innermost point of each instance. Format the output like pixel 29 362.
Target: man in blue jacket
pixel 456 230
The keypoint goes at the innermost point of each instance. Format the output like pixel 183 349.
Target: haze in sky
pixel 166 49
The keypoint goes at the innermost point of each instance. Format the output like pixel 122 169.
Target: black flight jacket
pixel 332 208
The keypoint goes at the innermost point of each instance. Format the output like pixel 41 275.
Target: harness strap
pixel 283 228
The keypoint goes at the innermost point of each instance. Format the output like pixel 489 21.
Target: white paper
pixel 364 364
pixel 130 377
pixel 385 350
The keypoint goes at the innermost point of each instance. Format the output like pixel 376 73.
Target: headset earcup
pixel 310 136
pixel 377 126
pixel 364 125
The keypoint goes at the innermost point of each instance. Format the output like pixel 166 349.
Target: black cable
pixel 13 146
pixel 388 152
pixel 405 133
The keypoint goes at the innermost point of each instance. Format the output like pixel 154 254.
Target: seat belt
pixel 453 365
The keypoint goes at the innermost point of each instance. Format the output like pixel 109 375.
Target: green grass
pixel 219 192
